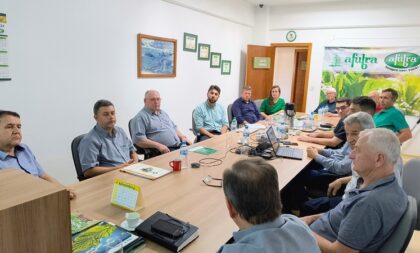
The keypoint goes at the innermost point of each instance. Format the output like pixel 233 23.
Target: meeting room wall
pixel 348 24
pixel 65 55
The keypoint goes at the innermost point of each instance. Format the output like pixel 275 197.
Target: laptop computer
pixel 282 151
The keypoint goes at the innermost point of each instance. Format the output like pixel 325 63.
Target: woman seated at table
pixel 273 103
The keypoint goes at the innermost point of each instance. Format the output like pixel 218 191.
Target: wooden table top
pixel 182 194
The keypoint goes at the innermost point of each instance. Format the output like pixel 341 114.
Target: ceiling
pixel 288 2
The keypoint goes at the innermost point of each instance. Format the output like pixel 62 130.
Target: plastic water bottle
pixel 233 125
pixel 245 136
pixel 183 155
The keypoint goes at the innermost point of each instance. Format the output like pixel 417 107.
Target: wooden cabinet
pixel 34 214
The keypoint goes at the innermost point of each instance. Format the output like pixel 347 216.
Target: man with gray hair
pixel 331 95
pixel 365 220
pixel 328 165
pixel 252 198
pixel 152 127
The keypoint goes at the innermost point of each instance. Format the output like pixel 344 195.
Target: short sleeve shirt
pixel 365 219
pixel 24 159
pixel 391 118
pixel 99 148
pixel 210 117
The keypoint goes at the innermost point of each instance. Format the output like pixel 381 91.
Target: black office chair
pixel 75 153
pixel 229 113
pixel 146 152
pixel 193 130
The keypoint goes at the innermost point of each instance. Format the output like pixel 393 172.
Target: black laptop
pixel 283 151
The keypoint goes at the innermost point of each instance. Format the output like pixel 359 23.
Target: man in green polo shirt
pixel 390 117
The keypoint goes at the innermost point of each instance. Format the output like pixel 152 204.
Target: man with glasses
pixel 390 117
pixel 337 138
pixel 152 127
pixel 252 198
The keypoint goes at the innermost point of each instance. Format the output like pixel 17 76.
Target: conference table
pixel 183 194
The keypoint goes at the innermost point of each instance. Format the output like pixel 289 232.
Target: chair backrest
pixel 75 153
pixel 400 238
pixel 193 124
pixel 258 103
pixel 410 178
pixel 229 113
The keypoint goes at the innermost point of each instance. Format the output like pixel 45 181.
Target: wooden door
pixel 298 86
pixel 260 80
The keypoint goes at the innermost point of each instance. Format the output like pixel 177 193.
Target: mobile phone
pixel 167 229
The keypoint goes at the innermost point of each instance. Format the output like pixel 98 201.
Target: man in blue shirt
pixel 210 117
pixel 252 197
pixel 244 109
pixel 331 94
pixel 152 127
pixel 106 147
pixel 16 155
pixel 365 220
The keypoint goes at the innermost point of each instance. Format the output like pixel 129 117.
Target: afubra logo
pixel 402 61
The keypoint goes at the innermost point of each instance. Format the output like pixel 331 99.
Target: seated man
pixel 14 154
pixel 152 127
pixel 244 109
pixel 390 117
pixel 363 104
pixel 330 102
pixel 337 138
pixel 106 147
pixel 252 197
pixel 210 117
pixel 328 164
pixel 364 221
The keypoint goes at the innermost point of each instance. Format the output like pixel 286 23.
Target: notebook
pixel 282 151
pixel 167 231
pixel 146 171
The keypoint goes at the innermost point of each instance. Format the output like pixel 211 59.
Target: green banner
pixel 357 71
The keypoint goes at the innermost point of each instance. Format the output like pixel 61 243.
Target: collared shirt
pixel 157 127
pixel 365 219
pixel 391 118
pixel 268 109
pixel 99 148
pixel 336 161
pixel 245 111
pixel 24 159
pixel 285 234
pixel 326 102
pixel 210 117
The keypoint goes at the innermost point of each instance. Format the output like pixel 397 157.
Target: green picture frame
pixel 190 42
pixel 226 66
pixel 203 52
pixel 215 60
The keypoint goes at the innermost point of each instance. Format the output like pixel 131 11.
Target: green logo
pixel 362 59
pixel 402 60
pixel 1 30
pixel 336 61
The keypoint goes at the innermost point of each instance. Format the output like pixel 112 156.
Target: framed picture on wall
pixel 215 59
pixel 203 52
pixel 156 56
pixel 226 67
pixel 190 42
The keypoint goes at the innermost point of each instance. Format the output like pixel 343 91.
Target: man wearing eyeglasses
pixel 252 198
pixel 152 127
pixel 337 138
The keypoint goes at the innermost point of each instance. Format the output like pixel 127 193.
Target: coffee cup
pixel 175 165
pixel 132 219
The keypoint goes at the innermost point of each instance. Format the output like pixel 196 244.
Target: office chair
pixel 400 238
pixel 75 153
pixel 193 130
pixel 258 103
pixel 229 113
pixel 410 184
pixel 146 152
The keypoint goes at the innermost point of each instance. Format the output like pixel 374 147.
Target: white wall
pixel 348 24
pixel 65 55
pixel 284 69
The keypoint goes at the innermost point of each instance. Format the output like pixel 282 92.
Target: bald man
pixel 152 127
